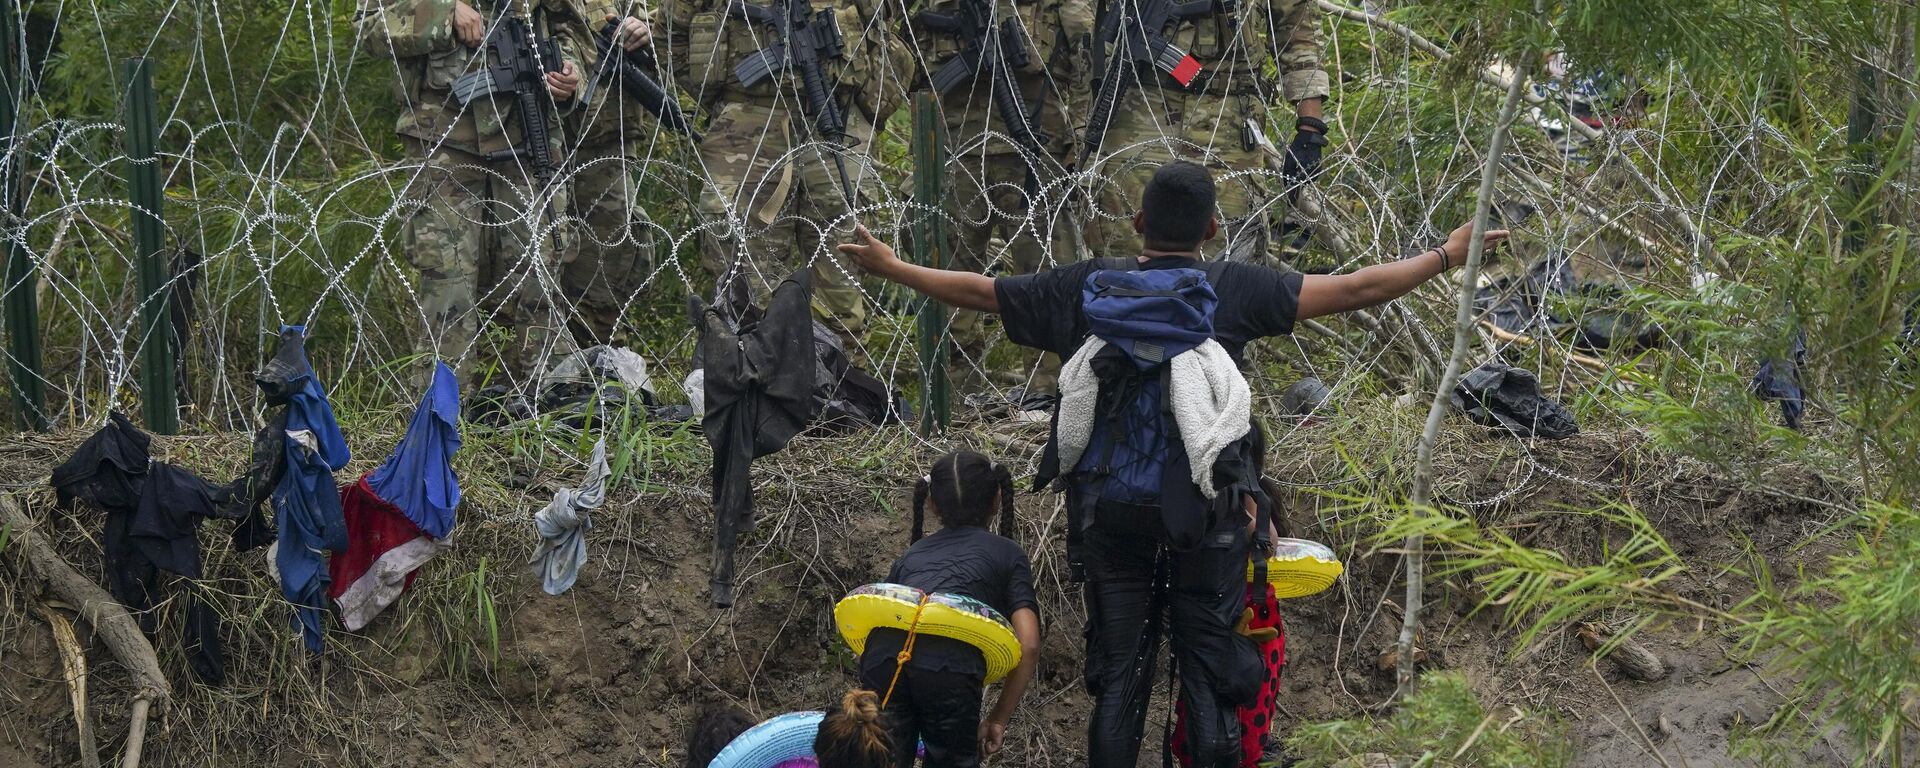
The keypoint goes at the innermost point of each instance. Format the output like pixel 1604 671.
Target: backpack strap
pixel 1261 545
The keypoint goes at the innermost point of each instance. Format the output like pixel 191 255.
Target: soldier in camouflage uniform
pixel 1219 121
pixel 480 231
pixel 986 172
pixel 615 246
pixel 768 194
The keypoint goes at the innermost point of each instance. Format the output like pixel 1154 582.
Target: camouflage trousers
pixel 601 276
pixel 986 199
pixel 1155 128
pixel 768 209
pixel 485 243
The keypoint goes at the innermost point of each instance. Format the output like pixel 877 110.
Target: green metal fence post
pixel 930 249
pixel 159 405
pixel 22 280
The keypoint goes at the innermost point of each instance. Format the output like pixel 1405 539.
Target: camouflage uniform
pixel 615 248
pixel 1157 121
pixel 986 175
pixel 760 204
pixel 476 229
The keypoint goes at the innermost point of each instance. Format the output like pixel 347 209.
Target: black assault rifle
pixel 519 65
pixel 1134 31
pixel 630 68
pixel 802 37
pixel 995 52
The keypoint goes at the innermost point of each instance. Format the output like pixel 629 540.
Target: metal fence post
pixel 159 405
pixel 930 248
pixel 22 280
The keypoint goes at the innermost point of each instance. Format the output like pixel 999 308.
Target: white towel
pixel 1210 399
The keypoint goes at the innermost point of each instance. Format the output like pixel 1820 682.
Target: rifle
pixel 995 52
pixel 520 65
pixel 802 37
pixel 631 69
pixel 1138 44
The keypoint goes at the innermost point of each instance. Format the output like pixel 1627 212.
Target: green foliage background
pixel 1782 133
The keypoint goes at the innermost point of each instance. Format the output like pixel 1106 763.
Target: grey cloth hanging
pixel 564 523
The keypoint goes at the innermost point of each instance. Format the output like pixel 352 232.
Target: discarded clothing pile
pixel 1521 304
pixel 1508 398
pixel 848 397
pixel 379 528
pixel 597 385
pixel 563 526
pixel 759 385
pixel 398 516
pixel 153 510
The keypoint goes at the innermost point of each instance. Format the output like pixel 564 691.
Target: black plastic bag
pixel 1504 397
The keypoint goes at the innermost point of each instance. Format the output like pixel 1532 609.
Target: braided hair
pixel 853 735
pixel 963 485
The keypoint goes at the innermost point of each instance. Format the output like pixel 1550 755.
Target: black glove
pixel 1303 154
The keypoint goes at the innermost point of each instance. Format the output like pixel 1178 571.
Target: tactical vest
pixel 706 43
pixel 1237 52
pixel 1054 79
pixel 429 111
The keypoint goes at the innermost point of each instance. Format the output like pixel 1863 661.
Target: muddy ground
pixel 610 673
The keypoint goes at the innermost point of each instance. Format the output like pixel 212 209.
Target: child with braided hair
pixel 935 695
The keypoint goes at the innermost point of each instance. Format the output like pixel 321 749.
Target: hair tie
pixel 927 478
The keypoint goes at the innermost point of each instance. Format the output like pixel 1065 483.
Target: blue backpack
pixel 1146 317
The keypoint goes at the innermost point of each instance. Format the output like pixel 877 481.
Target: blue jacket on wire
pixel 306 503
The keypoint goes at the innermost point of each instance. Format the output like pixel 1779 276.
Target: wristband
pixel 1446 261
pixel 1313 124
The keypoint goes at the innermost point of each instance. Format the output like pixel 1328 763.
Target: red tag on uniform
pixel 1186 70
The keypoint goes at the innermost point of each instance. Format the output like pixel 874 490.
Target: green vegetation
pixel 1443 725
pixel 1760 182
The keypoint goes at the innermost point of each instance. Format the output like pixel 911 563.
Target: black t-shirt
pixel 965 560
pixel 1042 310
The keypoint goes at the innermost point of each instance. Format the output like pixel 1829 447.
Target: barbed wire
pixel 299 221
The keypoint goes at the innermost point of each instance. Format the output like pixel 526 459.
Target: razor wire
pixel 286 205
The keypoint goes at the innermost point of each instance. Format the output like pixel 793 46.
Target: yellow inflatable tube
pixel 951 616
pixel 1300 568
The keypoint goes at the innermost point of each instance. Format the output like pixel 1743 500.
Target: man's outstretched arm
pixel 1322 295
pixel 961 290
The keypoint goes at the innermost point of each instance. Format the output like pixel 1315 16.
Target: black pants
pixel 931 705
pixel 1205 591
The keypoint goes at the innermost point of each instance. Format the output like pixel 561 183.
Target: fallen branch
pixel 32 555
pixel 1633 658
pixel 1528 341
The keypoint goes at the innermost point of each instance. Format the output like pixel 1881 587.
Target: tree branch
pixel 109 619
pixel 1463 326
